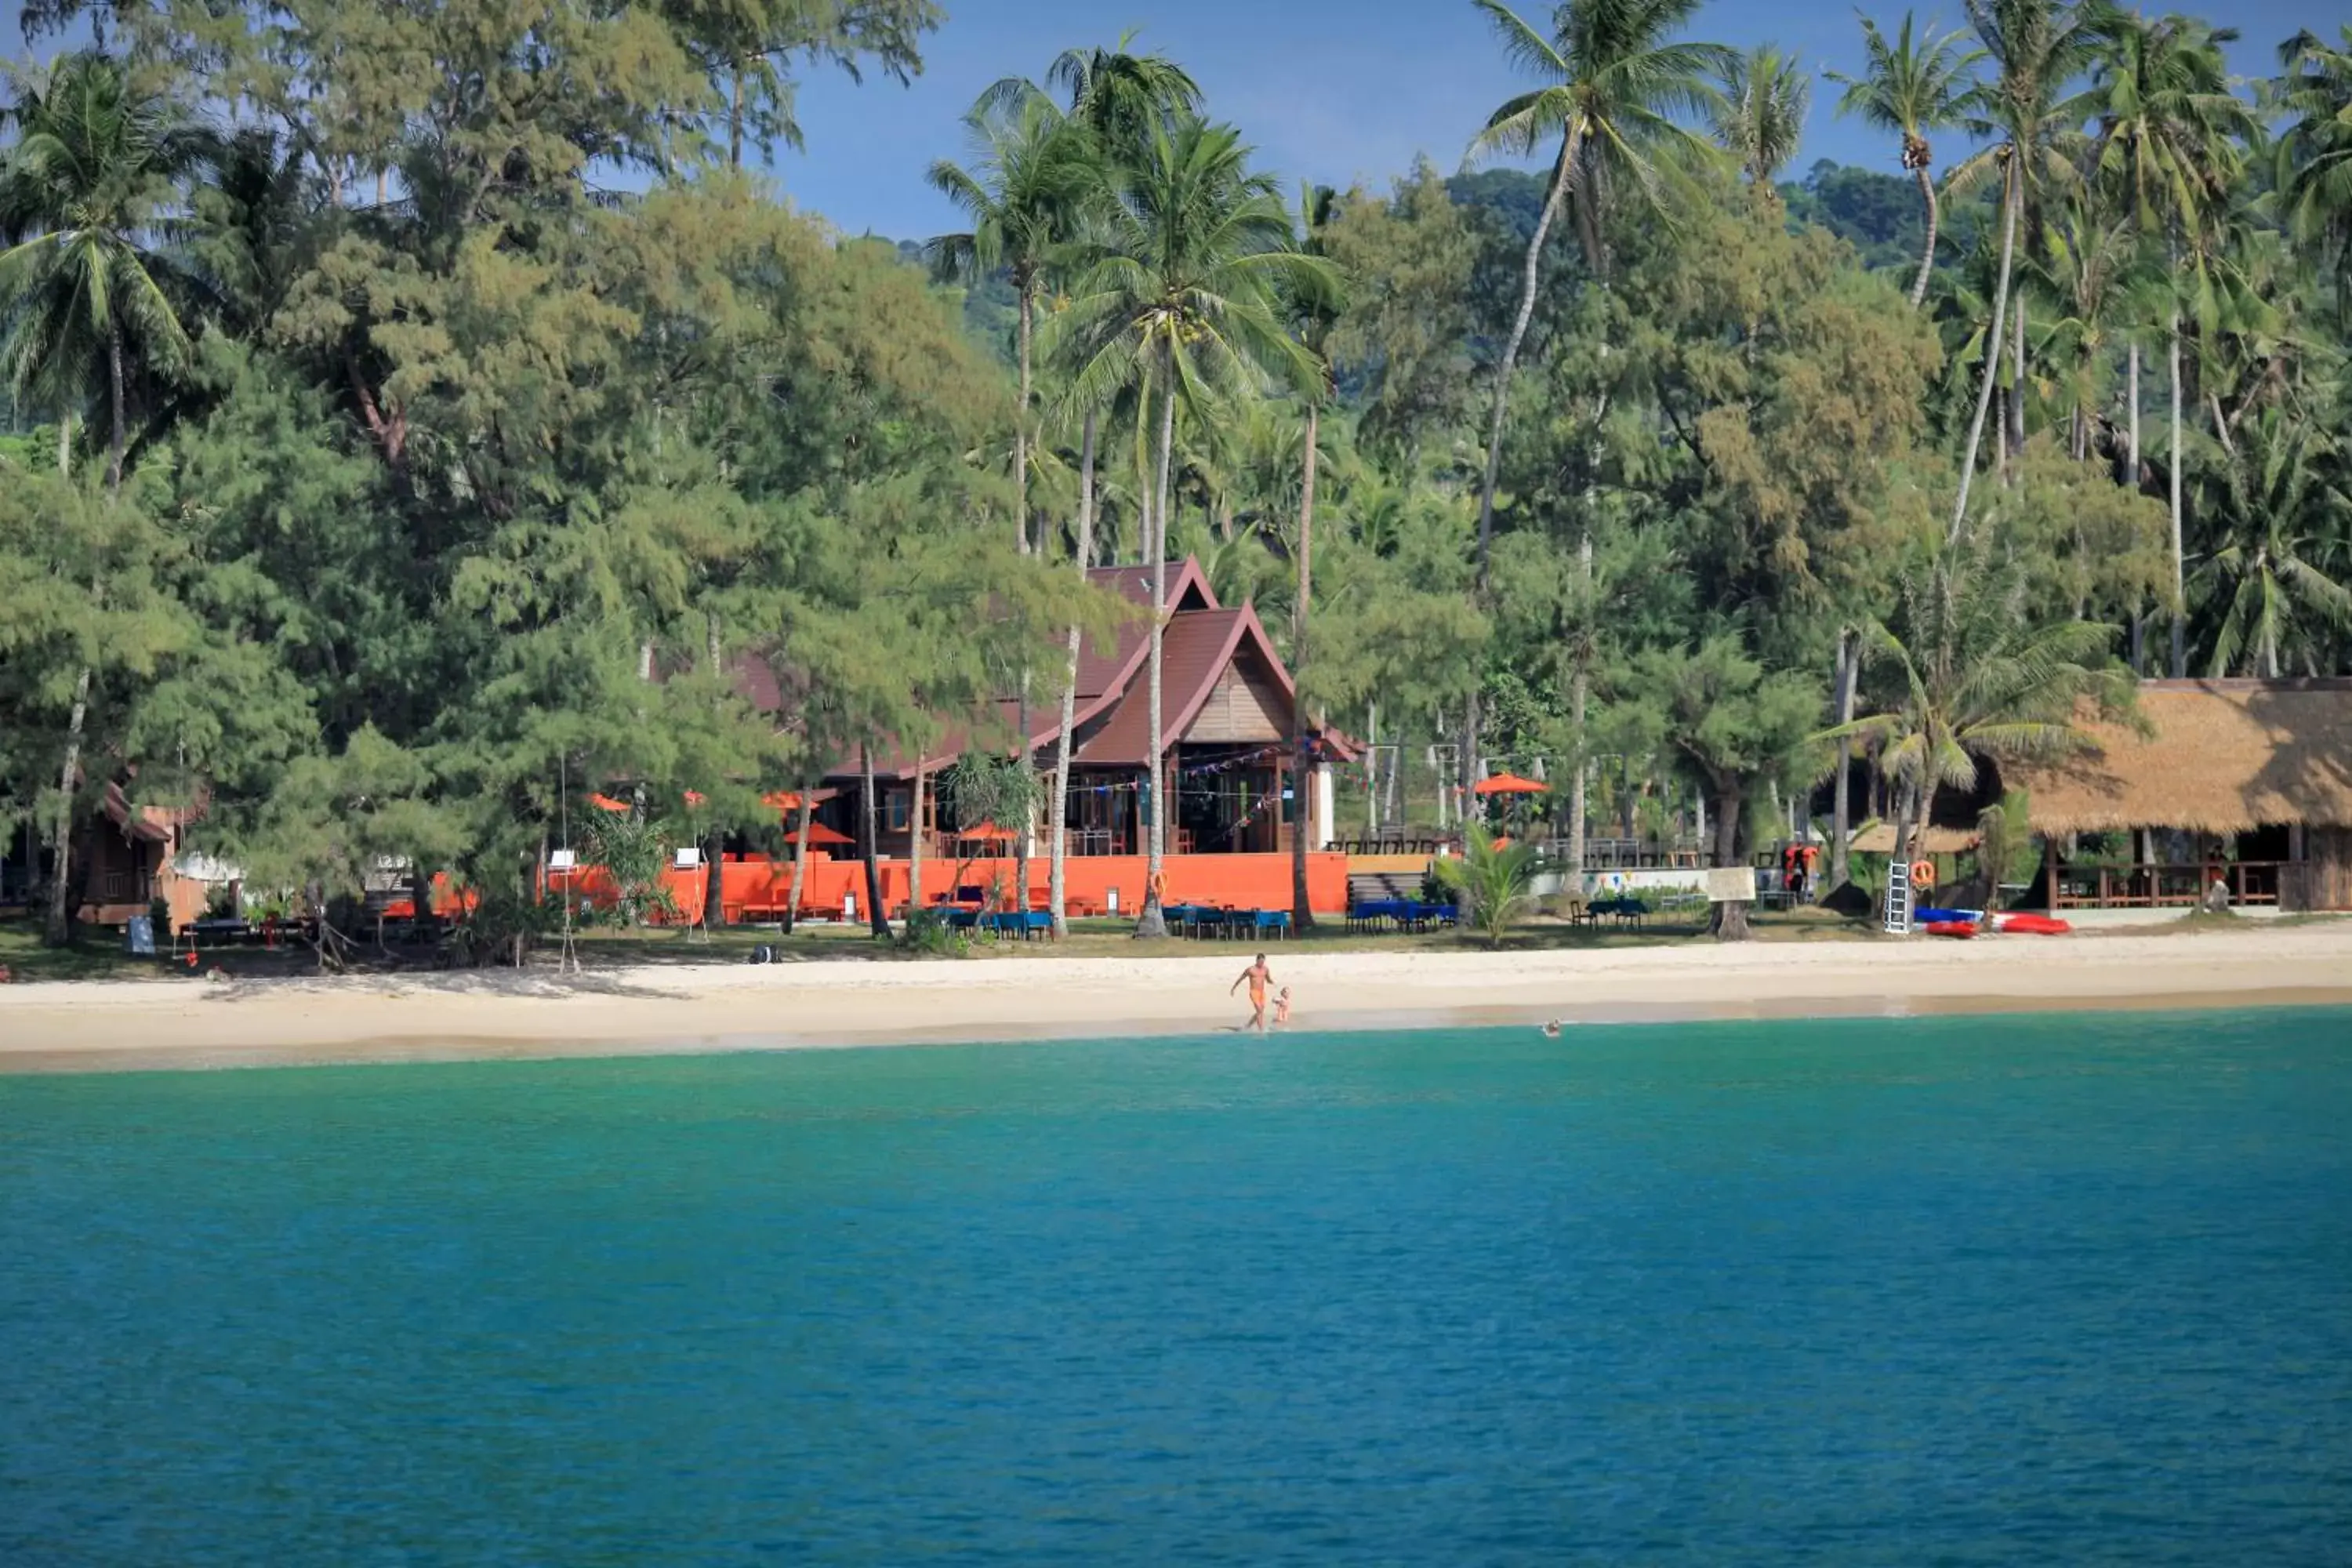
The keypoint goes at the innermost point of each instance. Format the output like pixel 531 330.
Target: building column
pixel 1322 799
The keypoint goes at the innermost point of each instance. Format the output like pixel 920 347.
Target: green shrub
pixel 1490 885
pixel 928 934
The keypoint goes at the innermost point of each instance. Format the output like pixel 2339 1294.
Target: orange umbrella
pixel 822 837
pixel 1508 783
pixel 606 803
pixel 987 833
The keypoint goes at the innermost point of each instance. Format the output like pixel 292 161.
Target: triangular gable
pixel 1246 632
pixel 1187 585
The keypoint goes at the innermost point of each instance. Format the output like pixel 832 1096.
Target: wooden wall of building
pixel 1246 706
pixel 2327 867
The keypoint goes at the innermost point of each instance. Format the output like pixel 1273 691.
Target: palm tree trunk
pixel 1056 875
pixel 1580 782
pixel 1153 923
pixel 876 917
pixel 2016 434
pixel 1027 756
pixel 1529 277
pixel 1849 666
pixel 1906 811
pixel 2131 395
pixel 1927 253
pixel 2132 483
pixel 114 387
pixel 800 811
pixel 1021 428
pixel 64 444
pixel 1302 914
pixel 1992 350
pixel 714 875
pixel 59 929
pixel 2179 604
pixel 915 840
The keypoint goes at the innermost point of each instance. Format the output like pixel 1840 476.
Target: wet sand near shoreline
pixel 538 1014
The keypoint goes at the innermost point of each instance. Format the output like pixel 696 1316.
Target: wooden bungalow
pixel 126 858
pixel 1226 707
pixel 2248 782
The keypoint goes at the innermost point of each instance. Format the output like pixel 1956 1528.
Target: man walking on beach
pixel 1258 978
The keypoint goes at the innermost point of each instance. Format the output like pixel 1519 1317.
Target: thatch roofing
pixel 1924 841
pixel 2220 756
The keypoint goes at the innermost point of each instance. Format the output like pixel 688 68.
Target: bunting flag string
pixel 1200 770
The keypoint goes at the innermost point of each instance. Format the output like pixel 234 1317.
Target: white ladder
pixel 1898 899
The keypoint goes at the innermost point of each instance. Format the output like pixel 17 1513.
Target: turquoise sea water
pixel 2064 1289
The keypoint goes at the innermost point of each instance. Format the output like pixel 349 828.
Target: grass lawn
pixel 94 955
pixel 1107 938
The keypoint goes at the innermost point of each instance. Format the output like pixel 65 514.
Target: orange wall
pixel 1247 881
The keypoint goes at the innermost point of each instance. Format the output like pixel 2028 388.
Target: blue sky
pixel 1327 89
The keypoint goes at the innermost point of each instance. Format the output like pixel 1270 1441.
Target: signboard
pixel 1731 885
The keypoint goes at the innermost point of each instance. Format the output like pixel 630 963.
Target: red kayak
pixel 1950 928
pixel 2032 925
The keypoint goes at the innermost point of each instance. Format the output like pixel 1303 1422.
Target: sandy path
pixel 142 1023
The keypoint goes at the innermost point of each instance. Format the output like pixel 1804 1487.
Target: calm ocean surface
pixel 2008 1290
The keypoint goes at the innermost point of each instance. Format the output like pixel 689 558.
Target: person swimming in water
pixel 1257 977
pixel 1551 1028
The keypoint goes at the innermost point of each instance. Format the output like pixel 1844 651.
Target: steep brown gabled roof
pixel 1187 585
pixel 1193 653
pixel 1202 642
pixel 1102 671
pixel 145 822
pixel 2220 756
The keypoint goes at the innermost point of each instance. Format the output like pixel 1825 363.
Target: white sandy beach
pixel 151 1024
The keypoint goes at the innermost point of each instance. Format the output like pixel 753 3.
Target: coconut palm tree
pixel 2312 93
pixel 1314 316
pixel 97 177
pixel 1121 95
pixel 1974 678
pixel 1913 88
pixel 2279 510
pixel 1760 119
pixel 2168 142
pixel 1196 251
pixel 2087 274
pixel 2040 47
pixel 1113 95
pixel 1613 82
pixel 1029 179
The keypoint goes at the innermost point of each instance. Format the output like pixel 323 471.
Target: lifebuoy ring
pixel 1923 873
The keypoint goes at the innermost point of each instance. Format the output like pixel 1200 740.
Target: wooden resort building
pixel 1224 776
pixel 2247 782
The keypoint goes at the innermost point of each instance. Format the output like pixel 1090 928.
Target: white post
pixel 1323 805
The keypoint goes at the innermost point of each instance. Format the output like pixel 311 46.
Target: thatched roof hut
pixel 1879 840
pixel 2219 757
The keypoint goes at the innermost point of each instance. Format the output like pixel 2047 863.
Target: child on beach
pixel 1282 1009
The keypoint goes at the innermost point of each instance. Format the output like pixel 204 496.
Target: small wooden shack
pixel 2247 782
